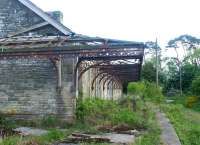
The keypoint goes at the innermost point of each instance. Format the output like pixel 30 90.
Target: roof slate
pixel 59 26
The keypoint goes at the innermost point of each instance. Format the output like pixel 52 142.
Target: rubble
pixel 114 138
pixel 25 131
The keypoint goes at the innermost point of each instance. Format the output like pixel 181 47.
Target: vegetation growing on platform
pixel 101 112
pixel 93 114
pixel 186 123
pixel 146 91
pixel 52 136
pixel 111 113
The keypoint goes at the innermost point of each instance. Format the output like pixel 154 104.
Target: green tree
pixel 196 86
pixel 184 43
pixel 149 71
pixel 194 57
pixel 189 71
pixel 172 74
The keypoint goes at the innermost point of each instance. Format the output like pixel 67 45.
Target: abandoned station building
pixel 45 67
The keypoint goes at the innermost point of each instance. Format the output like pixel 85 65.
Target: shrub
pixel 54 135
pixel 137 88
pixel 196 85
pixel 80 111
pixel 92 109
pixel 153 93
pixel 50 121
pixel 146 90
pixel 191 101
pixel 106 112
pixel 126 102
pixel 125 116
pixel 196 106
pixel 6 123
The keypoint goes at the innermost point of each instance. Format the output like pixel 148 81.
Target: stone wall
pixel 28 88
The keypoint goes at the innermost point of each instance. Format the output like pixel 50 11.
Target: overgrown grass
pixel 46 122
pixel 115 113
pixel 91 114
pixel 101 112
pixel 152 135
pixel 186 123
pixel 53 135
pixel 183 100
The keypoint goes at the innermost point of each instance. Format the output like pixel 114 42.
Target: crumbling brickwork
pixel 28 87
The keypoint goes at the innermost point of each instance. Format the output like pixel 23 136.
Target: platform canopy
pixel 119 60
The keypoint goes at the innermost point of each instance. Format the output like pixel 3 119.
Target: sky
pixel 135 20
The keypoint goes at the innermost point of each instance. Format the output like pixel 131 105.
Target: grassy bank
pixel 186 123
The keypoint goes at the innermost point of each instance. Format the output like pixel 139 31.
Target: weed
pixel 133 119
pixel 50 121
pixel 185 122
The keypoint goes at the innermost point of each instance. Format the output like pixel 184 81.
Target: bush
pixel 196 86
pixel 196 106
pixel 103 112
pixel 137 88
pixel 93 109
pixel 191 101
pixel 133 119
pixel 126 102
pixel 146 90
pixel 6 123
pixel 50 121
pixel 153 93
pixel 54 135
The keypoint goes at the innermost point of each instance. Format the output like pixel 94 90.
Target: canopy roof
pixel 119 60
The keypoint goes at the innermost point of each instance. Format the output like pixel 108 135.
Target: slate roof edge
pixel 43 15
